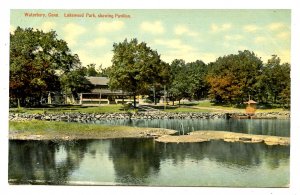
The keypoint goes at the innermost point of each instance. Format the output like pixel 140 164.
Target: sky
pixel 175 34
pixel 244 28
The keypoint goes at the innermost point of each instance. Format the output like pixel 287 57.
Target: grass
pixel 65 109
pixel 185 109
pixel 59 130
pixel 202 106
pixel 55 130
pixel 212 107
pixel 42 127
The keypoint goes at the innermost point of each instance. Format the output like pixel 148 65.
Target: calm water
pixel 253 126
pixel 148 163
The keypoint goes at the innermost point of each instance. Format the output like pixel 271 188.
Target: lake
pixel 148 163
pixel 253 126
pixel 144 162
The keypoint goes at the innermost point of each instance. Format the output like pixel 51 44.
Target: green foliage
pixel 232 78
pixel 136 68
pixel 74 82
pixel 36 58
pixel 276 82
pixel 188 80
pixel 92 70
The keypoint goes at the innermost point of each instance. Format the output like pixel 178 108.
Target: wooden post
pixel 165 102
pixel 100 98
pixel 154 95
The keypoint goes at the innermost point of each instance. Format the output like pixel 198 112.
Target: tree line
pixel 40 63
pixel 231 79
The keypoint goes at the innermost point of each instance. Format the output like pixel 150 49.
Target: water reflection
pixel 146 162
pixel 232 154
pixel 253 126
pixel 134 160
pixel 44 162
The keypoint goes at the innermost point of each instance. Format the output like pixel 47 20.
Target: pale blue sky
pixel 184 34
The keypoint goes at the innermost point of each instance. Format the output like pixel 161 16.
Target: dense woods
pixel 41 63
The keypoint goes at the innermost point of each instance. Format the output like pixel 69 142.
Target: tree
pixel 37 59
pixel 75 82
pixel 136 68
pixel 91 71
pixel 198 87
pixel 233 78
pixel 178 87
pixel 277 81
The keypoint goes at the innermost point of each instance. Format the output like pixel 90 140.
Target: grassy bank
pixel 46 130
pixel 202 106
pixel 207 106
pixel 70 109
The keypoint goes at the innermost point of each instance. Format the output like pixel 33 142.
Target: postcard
pixel 155 98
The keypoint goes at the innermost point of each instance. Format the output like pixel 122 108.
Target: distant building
pixel 101 94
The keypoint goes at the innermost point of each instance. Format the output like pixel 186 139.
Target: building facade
pixel 101 94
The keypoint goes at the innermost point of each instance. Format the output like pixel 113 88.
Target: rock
pixel 48 118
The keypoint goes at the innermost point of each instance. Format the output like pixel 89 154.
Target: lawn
pixel 207 106
pixel 201 106
pixel 63 109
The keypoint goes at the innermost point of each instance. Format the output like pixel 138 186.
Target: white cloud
pixel 208 57
pixel 260 39
pixel 72 31
pixel 174 44
pixel 110 26
pixel 263 55
pixel 220 28
pixel 176 49
pixel 12 29
pixel 242 48
pixel 87 58
pixel 152 27
pixel 284 55
pixel 47 26
pixel 284 35
pixel 183 30
pixel 233 37
pixel 251 28
pixel 276 26
pixel 99 42
pixel 188 56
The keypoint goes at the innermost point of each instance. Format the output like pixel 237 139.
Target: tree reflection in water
pixel 134 160
pixel 35 162
pixel 140 161
pixel 232 154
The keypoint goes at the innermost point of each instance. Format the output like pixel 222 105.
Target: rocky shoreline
pixel 84 117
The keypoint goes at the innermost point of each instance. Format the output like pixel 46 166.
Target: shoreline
pixel 210 135
pixel 51 130
pixel 83 117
